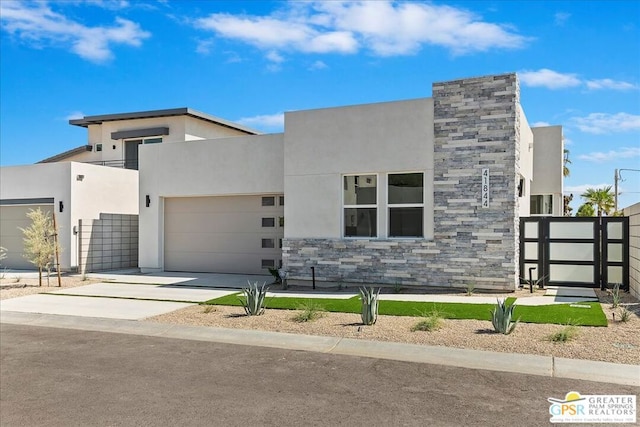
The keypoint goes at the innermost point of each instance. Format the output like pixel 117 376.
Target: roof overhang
pixel 67 154
pixel 96 120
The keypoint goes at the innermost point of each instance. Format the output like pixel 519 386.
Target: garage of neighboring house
pixel 223 234
pixel 13 217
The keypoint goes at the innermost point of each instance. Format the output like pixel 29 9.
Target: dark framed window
pixel 405 200
pixel 268 263
pixel 269 201
pixel 268 222
pixel 360 205
pixel 268 243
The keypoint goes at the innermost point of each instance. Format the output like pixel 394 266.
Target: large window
pixel 360 205
pixel 405 200
pixel 541 204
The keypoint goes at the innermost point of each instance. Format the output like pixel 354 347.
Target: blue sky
pixel 249 61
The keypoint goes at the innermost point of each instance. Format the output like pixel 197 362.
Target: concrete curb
pixel 464 358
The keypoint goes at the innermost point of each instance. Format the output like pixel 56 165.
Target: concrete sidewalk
pixel 474 359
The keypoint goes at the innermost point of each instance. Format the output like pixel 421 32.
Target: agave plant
pixel 502 318
pixel 369 299
pixel 253 301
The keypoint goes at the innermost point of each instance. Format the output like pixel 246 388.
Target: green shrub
pixel 625 314
pixel 209 308
pixel 502 318
pixel 567 333
pixel 253 301
pixel 369 309
pixel 309 311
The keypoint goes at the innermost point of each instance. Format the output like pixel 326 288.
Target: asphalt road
pixel 60 377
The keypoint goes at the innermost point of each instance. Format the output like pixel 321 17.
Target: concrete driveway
pixel 113 300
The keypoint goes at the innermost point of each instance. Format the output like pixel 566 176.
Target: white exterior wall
pixel 322 145
pixel 198 129
pixel 103 190
pixel 222 167
pixel 548 158
pixel 526 163
pixel 181 128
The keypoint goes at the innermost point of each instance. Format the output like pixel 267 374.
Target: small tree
pixel 586 210
pixel 39 241
pixel 567 207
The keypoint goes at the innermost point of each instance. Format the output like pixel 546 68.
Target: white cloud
pixel 549 79
pixel 561 17
pixel 267 122
pixel 74 115
pixel 610 84
pixel 384 28
pixel 579 189
pixel 318 65
pixel 275 57
pixel 37 24
pixel 622 153
pixel 204 47
pixel 601 123
pixel 540 124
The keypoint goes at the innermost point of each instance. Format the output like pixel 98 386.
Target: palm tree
pixel 601 198
pixel 565 169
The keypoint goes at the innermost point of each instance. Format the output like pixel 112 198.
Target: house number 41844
pixel 485 188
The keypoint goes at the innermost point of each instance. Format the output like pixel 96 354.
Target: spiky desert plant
pixel 502 317
pixel 615 295
pixel 625 314
pixel 254 296
pixel 369 299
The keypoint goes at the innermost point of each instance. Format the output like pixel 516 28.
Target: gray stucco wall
pixel 475 125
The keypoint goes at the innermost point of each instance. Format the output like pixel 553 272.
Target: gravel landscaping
pixel 618 343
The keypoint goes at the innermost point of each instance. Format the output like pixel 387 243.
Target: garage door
pixel 12 218
pixel 228 234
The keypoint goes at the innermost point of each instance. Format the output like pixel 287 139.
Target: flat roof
pixel 95 120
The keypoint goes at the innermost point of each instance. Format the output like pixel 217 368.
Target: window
pixel 405 199
pixel 152 140
pixel 541 204
pixel 281 200
pixel 268 263
pixel 360 206
pixel 98 147
pixel 268 222
pixel 268 243
pixel 268 201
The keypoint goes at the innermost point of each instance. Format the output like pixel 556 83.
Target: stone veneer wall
pixel 108 243
pixel 476 126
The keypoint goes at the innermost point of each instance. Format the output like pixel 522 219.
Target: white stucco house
pixel 420 192
pixel 96 207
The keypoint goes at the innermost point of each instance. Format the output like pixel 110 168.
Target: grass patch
pixel 560 314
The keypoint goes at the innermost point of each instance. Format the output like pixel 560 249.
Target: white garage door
pixel 12 218
pixel 227 234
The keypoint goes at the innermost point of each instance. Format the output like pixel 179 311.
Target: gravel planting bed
pixel 619 342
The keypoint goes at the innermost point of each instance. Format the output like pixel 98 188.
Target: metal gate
pixel 575 251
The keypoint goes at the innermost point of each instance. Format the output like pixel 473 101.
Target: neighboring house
pixel 419 192
pixel 113 139
pixel 547 186
pixel 96 207
pixel 74 192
